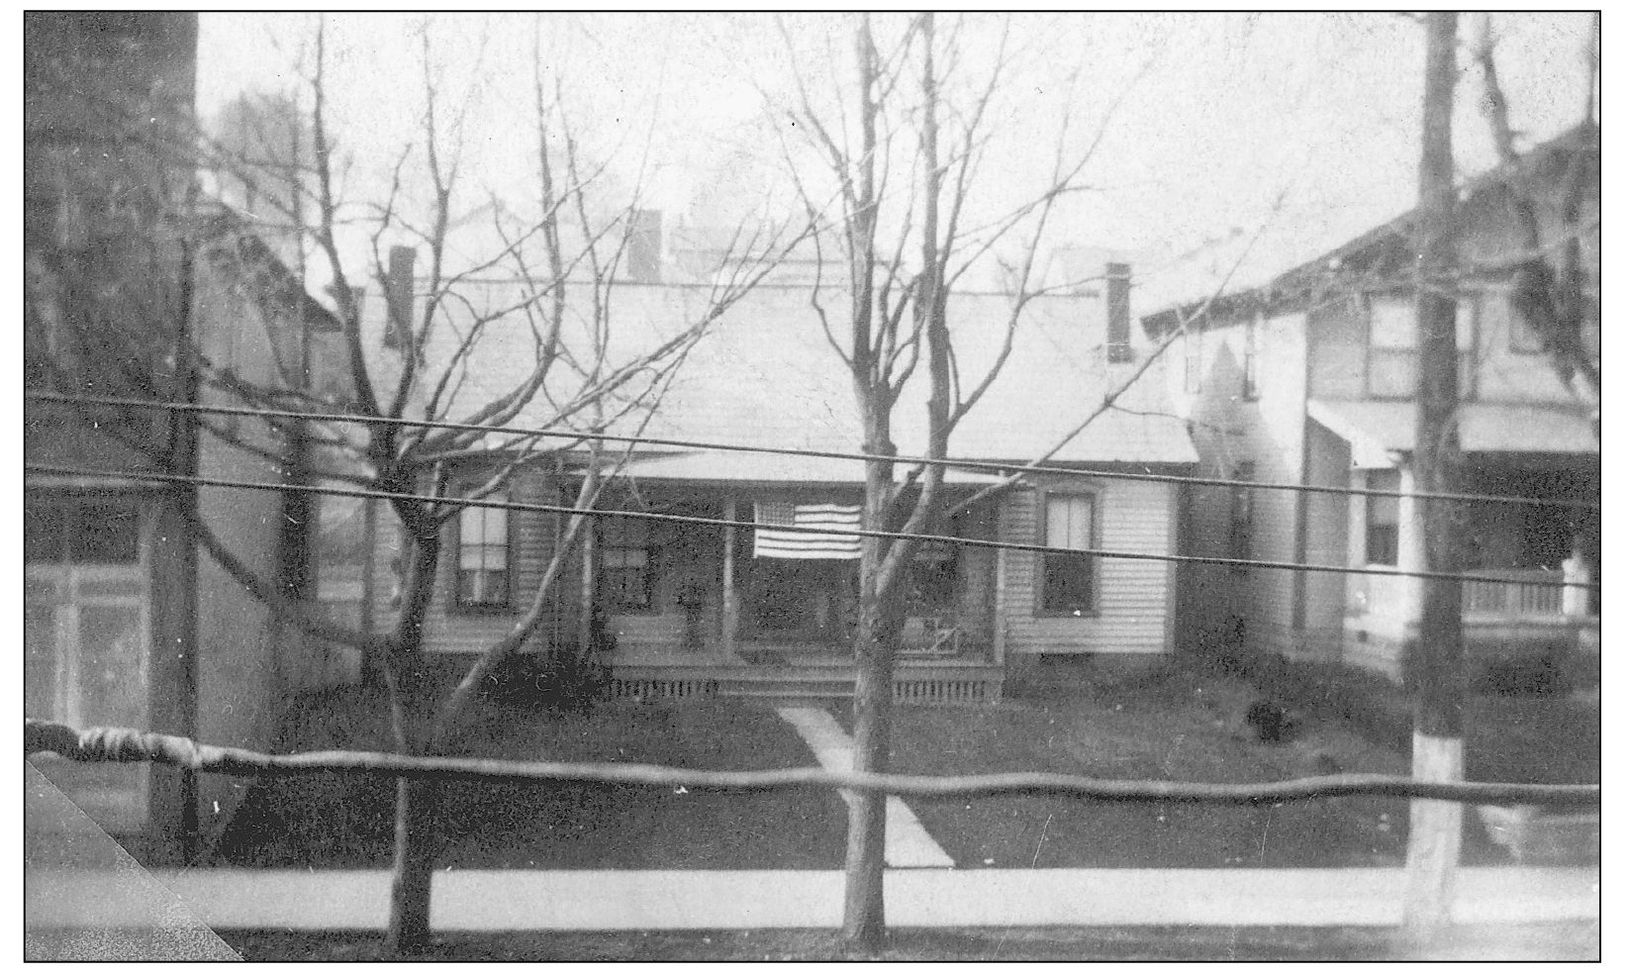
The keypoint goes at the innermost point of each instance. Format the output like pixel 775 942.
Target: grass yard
pixel 1164 723
pixel 330 821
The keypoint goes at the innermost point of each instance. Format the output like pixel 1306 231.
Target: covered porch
pixel 749 607
pixel 1524 555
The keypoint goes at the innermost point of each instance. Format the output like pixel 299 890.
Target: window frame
pixel 651 549
pixel 1240 522
pixel 506 604
pixel 1042 567
pixel 1370 482
pixel 1251 357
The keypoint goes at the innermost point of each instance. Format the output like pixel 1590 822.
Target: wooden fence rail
pixel 129 745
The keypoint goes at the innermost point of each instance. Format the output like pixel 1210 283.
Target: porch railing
pixel 1518 594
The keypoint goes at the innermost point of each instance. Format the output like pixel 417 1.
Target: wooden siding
pixel 1133 597
pixel 449 628
pixel 1268 432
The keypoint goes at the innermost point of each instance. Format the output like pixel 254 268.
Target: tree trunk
pixel 413 867
pixel 864 913
pixel 1436 834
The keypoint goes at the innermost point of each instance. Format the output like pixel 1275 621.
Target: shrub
pixel 1539 676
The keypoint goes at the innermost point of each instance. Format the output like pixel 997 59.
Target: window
pixel 1241 536
pixel 1118 313
pixel 483 574
pixel 1392 353
pixel 1251 359
pixel 1068 582
pixel 1194 361
pixel 1383 518
pixel 624 563
pixel 932 579
pixel 86 638
pixel 1392 357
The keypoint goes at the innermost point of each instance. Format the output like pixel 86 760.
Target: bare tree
pixel 903 153
pixel 564 260
pixel 1550 279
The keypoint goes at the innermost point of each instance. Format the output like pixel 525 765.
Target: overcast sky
pixel 1218 117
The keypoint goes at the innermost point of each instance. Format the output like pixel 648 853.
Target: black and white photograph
pixel 785 486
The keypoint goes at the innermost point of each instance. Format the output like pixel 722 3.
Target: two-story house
pixel 125 622
pixel 1310 379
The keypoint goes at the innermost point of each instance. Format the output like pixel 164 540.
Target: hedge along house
pixel 704 610
pixel 1310 379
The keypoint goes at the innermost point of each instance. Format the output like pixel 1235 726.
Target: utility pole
pixel 1436 834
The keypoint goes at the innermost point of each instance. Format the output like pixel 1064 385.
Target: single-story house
pixel 696 609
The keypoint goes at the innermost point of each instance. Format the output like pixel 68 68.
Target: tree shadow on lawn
pixel 331 821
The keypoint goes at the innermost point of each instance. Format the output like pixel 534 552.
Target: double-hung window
pixel 1383 518
pixel 1068 582
pixel 86 623
pixel 625 564
pixel 483 556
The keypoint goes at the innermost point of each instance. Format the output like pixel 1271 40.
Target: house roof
pixel 1231 284
pixel 1376 428
pixel 765 375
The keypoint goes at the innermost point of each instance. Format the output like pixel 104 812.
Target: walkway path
pixel 595 900
pixel 908 842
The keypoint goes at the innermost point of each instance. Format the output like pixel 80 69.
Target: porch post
pixel 731 601
pixel 1573 602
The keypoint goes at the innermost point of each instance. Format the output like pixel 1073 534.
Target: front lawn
pixel 1164 725
pixel 1161 724
pixel 333 821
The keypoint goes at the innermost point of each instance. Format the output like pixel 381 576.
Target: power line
pixel 1002 469
pixel 995 544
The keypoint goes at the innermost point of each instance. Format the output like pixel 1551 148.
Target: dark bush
pixel 1539 676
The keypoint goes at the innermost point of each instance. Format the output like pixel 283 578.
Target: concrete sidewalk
pixel 594 900
pixel 908 842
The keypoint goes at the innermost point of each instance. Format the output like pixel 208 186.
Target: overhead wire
pixel 654 516
pixel 996 467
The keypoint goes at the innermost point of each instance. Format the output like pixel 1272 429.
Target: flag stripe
pixel 770 543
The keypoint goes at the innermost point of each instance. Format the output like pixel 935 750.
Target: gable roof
pixel 765 375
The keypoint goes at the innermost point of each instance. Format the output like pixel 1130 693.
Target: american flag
pixel 773 544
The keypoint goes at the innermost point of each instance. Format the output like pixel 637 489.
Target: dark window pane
pixel 1382 546
pixel 1068 583
pixel 106 533
pixel 44 533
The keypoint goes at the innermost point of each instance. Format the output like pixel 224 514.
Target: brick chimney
pixel 644 246
pixel 398 297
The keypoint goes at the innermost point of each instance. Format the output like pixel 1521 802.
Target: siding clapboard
pixel 1133 596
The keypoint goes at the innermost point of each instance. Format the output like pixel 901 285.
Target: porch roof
pixel 1375 428
pixel 770 468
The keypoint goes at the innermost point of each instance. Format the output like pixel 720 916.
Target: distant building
pixel 1310 379
pixel 125 624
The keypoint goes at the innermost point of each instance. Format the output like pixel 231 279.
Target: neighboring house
pixel 704 610
pixel 1310 379
pixel 124 623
